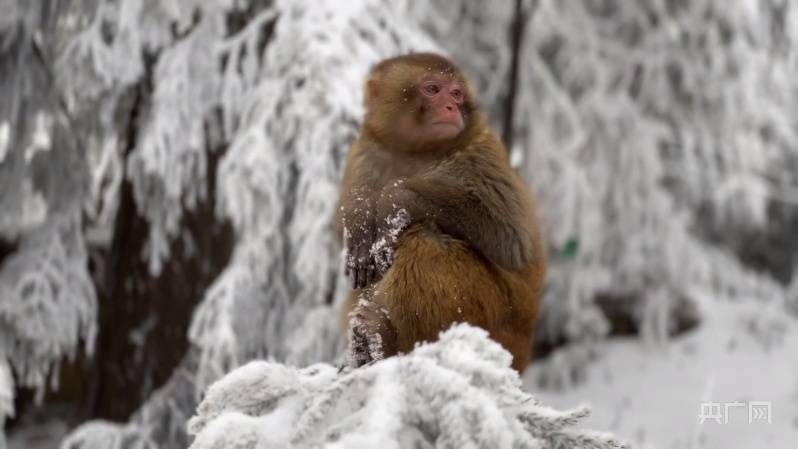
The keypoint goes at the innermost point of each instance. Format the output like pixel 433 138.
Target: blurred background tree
pixel 168 170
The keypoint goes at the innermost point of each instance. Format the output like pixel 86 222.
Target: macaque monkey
pixel 437 227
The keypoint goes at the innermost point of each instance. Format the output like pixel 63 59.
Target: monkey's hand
pixel 372 336
pixel 359 235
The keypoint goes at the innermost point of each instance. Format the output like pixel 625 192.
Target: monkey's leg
pixel 371 335
pixel 436 281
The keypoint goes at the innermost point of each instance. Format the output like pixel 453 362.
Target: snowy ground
pixel 45 435
pixel 651 395
pixel 741 352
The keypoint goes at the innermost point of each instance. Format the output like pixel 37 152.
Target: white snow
pixel 743 351
pixel 101 434
pixel 360 352
pixel 6 398
pixel 48 306
pixel 383 248
pixel 5 136
pixel 40 137
pixel 459 392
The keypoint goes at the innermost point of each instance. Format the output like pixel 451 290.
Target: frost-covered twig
pixel 458 392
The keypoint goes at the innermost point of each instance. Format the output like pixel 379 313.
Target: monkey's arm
pixel 356 218
pixel 471 197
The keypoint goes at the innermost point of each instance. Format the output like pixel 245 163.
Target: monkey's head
pixel 417 101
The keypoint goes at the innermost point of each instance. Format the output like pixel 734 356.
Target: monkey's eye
pixel 457 94
pixel 431 89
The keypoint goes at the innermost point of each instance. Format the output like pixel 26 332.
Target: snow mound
pixel 101 434
pixel 458 392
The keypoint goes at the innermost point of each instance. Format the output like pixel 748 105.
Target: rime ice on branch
pixel 644 123
pixel 457 392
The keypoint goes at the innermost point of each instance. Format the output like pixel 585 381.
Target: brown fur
pixel 472 251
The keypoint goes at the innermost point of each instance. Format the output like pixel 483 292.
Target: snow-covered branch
pixel 459 392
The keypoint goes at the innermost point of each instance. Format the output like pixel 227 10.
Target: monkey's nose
pixel 449 107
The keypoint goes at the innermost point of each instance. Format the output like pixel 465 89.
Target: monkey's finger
pixel 348 263
pixel 375 268
pixel 361 276
pixel 351 270
pixel 387 258
pixel 379 261
pixel 364 276
pixel 383 262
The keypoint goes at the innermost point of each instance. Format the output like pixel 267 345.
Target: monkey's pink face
pixel 442 106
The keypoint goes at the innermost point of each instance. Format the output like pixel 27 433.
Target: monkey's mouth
pixel 457 124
